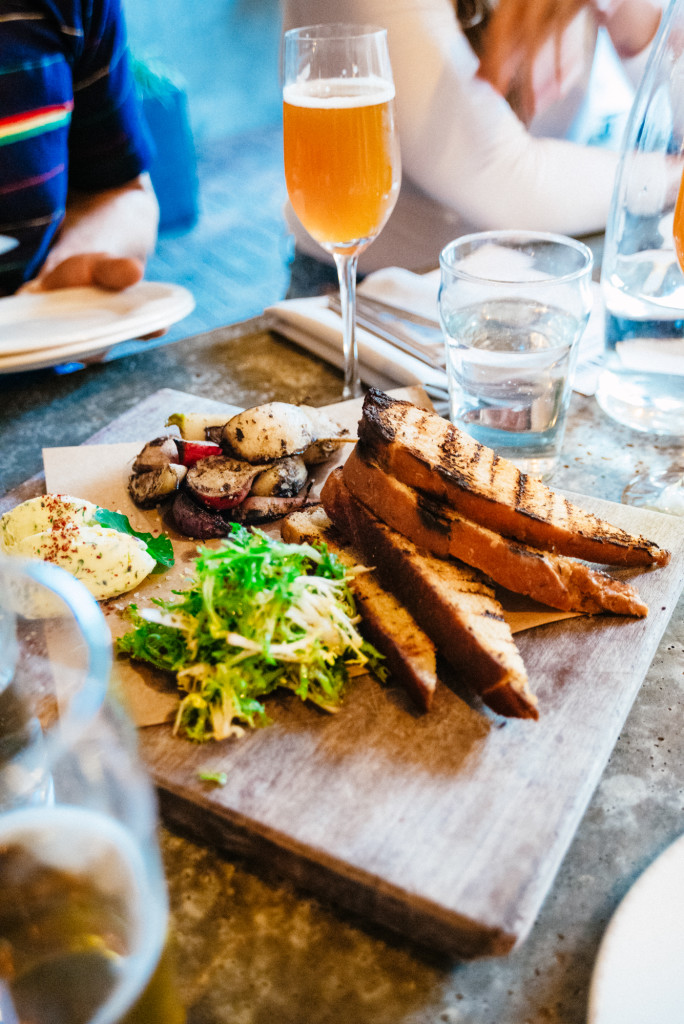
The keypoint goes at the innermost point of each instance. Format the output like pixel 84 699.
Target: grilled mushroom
pixel 283 479
pixel 267 432
pixel 160 452
pixel 152 486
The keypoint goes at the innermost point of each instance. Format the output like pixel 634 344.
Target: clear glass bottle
pixel 642 384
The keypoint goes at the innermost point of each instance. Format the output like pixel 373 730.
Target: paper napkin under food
pixel 99 473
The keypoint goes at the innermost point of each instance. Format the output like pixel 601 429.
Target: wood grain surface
pixel 450 826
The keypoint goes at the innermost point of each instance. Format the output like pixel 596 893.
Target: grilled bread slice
pixel 409 653
pixel 451 602
pixel 425 451
pixel 554 580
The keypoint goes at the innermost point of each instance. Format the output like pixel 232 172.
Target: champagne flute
pixel 83 906
pixel 342 164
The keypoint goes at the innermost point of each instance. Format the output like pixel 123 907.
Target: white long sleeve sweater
pixel 468 162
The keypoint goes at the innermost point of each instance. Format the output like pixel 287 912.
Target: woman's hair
pixel 474 17
pixel 510 35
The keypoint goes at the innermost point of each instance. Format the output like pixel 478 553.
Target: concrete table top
pixel 252 949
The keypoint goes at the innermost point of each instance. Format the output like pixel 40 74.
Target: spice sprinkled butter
pixel 64 530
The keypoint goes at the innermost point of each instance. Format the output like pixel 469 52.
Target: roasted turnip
pixel 151 487
pixel 329 436
pixel 220 482
pixel 283 479
pixel 193 425
pixel 267 432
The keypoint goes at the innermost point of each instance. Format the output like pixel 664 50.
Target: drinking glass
pixel 342 164
pixel 83 907
pixel 513 306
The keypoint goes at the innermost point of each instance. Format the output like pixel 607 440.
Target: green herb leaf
pixel 160 548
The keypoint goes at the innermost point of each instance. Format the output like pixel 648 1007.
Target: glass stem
pixel 346 272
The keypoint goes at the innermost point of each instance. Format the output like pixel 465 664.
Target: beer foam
pixel 339 92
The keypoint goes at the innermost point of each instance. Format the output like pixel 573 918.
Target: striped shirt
pixel 69 117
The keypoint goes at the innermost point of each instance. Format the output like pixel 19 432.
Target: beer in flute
pixel 341 158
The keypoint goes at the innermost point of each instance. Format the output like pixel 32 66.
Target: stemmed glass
pixel 83 907
pixel 342 164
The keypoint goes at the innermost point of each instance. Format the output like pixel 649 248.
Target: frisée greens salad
pixel 258 614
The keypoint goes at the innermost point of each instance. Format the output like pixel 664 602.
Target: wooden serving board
pixel 447 827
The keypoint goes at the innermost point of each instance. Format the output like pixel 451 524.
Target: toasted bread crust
pixel 551 579
pixel 450 601
pixel 426 452
pixel 409 653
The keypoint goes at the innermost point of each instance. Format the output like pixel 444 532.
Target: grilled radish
pixel 220 482
pixel 190 452
pixel 195 520
pixel 256 509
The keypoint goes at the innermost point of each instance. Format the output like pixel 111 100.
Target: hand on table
pixel 99 269
pixel 103 241
pixel 96 269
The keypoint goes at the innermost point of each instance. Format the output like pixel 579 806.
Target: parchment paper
pixel 99 473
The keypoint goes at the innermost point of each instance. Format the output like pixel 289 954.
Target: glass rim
pixel 85 704
pixel 522 235
pixel 334 30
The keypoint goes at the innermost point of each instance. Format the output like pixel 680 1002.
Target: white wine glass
pixel 342 163
pixel 83 905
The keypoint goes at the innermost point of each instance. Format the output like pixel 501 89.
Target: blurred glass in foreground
pixel 83 906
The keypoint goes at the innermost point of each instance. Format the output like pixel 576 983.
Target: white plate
pixel 43 358
pixel 639 972
pixel 35 322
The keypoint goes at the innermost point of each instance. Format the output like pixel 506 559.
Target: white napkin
pixel 311 324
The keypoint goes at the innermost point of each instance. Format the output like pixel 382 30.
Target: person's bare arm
pixel 105 239
pixel 631 24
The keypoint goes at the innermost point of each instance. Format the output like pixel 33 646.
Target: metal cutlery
pixel 397 311
pixel 392 328
pixel 396 331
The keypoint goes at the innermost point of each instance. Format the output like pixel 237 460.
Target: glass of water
pixel 513 306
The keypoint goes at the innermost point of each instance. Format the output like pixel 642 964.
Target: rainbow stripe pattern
pixel 34 122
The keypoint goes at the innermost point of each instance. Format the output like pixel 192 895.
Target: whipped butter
pixel 63 530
